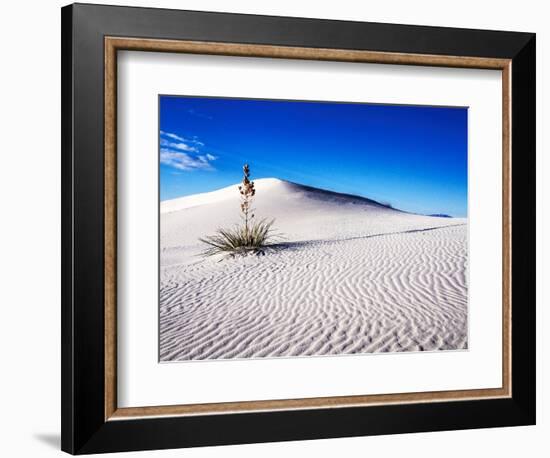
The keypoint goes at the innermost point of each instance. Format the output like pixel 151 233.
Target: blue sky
pixel 413 157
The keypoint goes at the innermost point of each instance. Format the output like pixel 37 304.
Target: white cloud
pixel 207 157
pixel 184 153
pixel 173 136
pixel 184 161
pixel 180 146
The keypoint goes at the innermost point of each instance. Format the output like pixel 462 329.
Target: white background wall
pixel 30 227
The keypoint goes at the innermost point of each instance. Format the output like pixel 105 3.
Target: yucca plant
pixel 251 237
pixel 240 240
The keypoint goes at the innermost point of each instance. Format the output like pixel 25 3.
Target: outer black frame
pixel 84 429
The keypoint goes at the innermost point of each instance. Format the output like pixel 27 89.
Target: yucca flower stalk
pixel 247 192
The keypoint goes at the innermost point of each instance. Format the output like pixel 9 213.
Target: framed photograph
pixel 281 228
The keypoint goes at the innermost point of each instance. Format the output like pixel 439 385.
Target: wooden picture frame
pixel 91 419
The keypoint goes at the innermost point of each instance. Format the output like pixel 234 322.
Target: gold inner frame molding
pixel 114 44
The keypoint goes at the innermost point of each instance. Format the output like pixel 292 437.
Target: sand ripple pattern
pixel 402 290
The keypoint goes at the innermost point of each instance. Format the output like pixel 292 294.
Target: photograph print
pixel 310 228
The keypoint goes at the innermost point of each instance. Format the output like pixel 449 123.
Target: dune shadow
pixel 311 243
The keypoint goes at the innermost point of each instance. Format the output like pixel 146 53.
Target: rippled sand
pixel 351 276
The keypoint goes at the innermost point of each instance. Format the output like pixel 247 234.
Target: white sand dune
pixel 352 276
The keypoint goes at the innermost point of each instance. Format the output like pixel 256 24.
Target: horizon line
pixel 346 194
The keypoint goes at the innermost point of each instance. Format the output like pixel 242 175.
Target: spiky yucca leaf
pixel 240 240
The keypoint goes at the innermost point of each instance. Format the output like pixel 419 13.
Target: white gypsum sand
pixel 351 276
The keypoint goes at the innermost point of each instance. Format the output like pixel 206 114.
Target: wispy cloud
pixel 184 153
pixel 172 136
pixel 196 141
pixel 178 145
pixel 184 161
pixel 199 114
